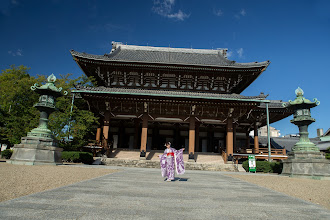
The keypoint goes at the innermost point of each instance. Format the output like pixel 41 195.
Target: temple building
pixel 147 96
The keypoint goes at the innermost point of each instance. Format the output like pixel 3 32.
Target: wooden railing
pixel 273 151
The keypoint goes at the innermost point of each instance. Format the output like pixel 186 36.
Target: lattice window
pixel 117 79
pixel 149 80
pixel 218 84
pixel 203 83
pixel 187 82
pixel 133 79
pixel 168 80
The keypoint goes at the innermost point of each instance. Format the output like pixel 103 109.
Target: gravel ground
pixel 315 191
pixel 20 180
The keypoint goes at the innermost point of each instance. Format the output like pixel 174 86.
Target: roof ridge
pixel 218 51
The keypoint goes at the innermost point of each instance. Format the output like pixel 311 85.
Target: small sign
pixel 252 163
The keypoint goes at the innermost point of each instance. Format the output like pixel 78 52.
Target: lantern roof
pixel 301 101
pixel 49 87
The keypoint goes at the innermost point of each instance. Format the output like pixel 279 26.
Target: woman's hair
pixel 167 143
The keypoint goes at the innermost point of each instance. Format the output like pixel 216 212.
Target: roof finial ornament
pixel 51 78
pixel 299 92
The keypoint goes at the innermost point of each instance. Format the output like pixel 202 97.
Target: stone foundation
pixel 36 151
pixel 306 164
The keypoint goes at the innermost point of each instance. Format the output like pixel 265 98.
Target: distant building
pixel 262 132
pixel 324 142
pixel 288 141
pixel 272 131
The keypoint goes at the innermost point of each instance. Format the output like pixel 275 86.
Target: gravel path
pixel 315 191
pixel 21 180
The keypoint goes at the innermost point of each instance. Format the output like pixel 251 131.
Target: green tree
pixel 18 116
pixel 75 128
pixel 16 103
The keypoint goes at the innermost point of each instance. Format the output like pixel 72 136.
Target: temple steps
pixel 131 158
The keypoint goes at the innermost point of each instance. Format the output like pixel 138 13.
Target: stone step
pixel 156 164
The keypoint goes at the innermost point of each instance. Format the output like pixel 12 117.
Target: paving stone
pixel 141 193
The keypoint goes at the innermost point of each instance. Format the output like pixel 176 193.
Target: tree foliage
pixel 18 116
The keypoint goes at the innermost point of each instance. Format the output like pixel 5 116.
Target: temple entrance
pixel 126 134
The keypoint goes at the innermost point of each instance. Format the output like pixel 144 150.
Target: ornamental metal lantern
pixel 302 118
pixel 46 105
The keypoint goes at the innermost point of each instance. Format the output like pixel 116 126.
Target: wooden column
pixel 197 124
pixel 192 138
pixel 229 139
pixel 98 135
pixel 144 136
pixel 256 140
pixel 234 138
pixel 106 127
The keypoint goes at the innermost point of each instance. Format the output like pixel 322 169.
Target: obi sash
pixel 170 154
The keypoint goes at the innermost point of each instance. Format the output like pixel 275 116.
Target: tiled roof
pixel 167 93
pixel 289 142
pixel 164 55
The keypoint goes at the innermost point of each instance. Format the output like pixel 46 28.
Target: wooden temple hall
pixel 147 96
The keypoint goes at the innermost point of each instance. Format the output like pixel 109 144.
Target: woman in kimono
pixel 171 159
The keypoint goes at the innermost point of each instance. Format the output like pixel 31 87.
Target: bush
pixel 327 155
pixel 265 166
pixel 6 153
pixel 77 157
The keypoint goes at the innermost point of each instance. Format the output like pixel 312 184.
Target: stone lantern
pixel 39 146
pixel 305 160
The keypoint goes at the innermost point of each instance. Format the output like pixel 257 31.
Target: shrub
pixel 265 166
pixel 6 153
pixel 77 157
pixel 327 155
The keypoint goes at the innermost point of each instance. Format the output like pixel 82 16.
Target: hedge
pixel 6 153
pixel 265 166
pixel 77 157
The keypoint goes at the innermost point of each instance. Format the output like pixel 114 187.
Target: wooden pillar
pixel 144 136
pixel 256 140
pixel 229 139
pixel 197 124
pixel 106 128
pixel 98 135
pixel 192 138
pixel 234 138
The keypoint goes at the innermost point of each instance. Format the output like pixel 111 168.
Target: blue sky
pixel 294 35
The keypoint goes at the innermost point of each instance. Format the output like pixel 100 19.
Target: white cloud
pixel 217 12
pixel 242 13
pixel 165 9
pixel 240 52
pixel 179 15
pixel 16 53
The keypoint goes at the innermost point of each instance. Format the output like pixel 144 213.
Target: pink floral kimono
pixel 168 160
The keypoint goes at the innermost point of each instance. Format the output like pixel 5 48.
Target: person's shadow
pixel 179 179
